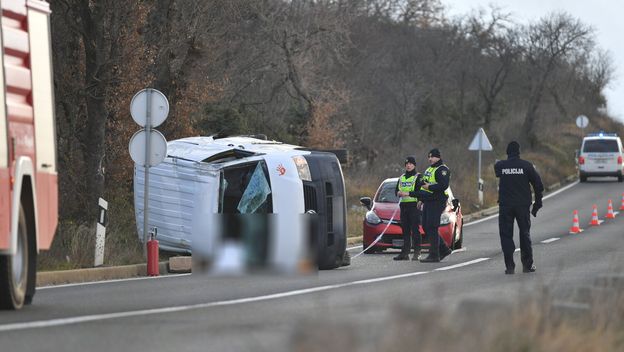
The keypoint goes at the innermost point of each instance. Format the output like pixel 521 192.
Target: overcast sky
pixel 605 16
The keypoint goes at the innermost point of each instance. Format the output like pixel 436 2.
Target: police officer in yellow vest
pixel 406 188
pixel 434 196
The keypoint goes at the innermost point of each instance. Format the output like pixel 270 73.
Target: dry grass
pixel 73 247
pixel 355 216
pixel 74 244
pixel 533 324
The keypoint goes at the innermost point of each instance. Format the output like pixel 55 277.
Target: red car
pixel 385 207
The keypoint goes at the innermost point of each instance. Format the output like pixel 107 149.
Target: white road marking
pixel 546 197
pixel 143 312
pixel 380 279
pixel 481 220
pixel 461 264
pixel 111 281
pixel 550 240
pixel 463 249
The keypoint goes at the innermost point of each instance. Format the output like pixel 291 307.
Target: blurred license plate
pixel 397 243
pixel 600 161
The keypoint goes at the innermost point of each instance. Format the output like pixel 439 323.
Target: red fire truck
pixel 28 178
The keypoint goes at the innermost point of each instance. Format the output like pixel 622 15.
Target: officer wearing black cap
pixel 433 193
pixel 514 198
pixel 406 188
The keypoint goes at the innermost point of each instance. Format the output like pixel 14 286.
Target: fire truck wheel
pixel 14 270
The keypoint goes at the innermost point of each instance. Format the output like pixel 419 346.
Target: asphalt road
pixel 191 313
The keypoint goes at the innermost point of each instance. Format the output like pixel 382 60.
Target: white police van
pixel 207 179
pixel 601 155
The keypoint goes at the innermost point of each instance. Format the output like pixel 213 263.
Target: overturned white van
pixel 203 177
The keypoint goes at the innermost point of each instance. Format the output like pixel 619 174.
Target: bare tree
pixel 98 26
pixel 498 48
pixel 547 44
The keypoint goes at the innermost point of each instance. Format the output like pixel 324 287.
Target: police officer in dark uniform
pixel 406 188
pixel 514 198
pixel 434 196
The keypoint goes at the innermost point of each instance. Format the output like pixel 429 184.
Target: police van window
pixel 601 146
pixel 386 193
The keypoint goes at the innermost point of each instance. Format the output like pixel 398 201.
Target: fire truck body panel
pixel 28 172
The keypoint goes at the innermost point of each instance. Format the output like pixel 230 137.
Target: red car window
pixel 386 193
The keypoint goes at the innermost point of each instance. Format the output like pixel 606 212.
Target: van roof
pixel 202 148
pixel 601 135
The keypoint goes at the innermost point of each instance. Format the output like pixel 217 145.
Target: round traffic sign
pixel 159 107
pixel 582 121
pixel 158 147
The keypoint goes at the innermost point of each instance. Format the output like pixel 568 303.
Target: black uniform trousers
pixel 410 220
pixel 506 217
pixel 432 211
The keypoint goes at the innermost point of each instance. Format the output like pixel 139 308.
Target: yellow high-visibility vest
pixel 407 184
pixel 429 177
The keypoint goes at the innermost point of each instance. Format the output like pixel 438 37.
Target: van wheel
pixel 620 178
pixel 583 178
pixel 14 270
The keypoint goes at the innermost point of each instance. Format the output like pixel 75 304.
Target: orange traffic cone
pixel 576 227
pixel 610 213
pixel 622 206
pixel 594 220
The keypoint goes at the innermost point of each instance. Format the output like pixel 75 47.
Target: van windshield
pixel 601 146
pixel 245 189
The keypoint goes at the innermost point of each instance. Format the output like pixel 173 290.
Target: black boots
pixel 430 259
pixel 433 258
pixel 525 269
pixel 528 269
pixel 445 252
pixel 402 257
pixel 416 255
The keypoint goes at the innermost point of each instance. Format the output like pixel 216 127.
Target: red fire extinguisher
pixel 152 255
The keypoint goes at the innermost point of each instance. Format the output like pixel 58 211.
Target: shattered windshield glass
pixel 256 192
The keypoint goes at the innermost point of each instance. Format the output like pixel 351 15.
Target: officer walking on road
pixel 514 198
pixel 434 196
pixel 406 188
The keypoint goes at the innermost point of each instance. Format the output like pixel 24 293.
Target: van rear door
pixel 601 155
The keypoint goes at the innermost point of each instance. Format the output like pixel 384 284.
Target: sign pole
pixel 479 182
pixel 148 130
pixel 479 143
pixel 149 108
